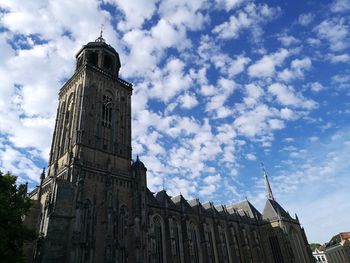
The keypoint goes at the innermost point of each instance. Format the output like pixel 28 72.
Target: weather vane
pixel 100 38
pixel 102 26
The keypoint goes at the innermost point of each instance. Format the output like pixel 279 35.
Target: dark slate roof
pixel 151 200
pixel 274 210
pixel 98 44
pixel 138 164
pixel 335 240
pixel 197 206
pixel 245 208
pixel 182 203
pixel 164 199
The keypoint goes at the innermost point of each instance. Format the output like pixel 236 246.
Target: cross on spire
pixel 267 183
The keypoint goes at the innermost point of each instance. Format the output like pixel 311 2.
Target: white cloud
pixel 305 19
pixel 341 81
pixel 335 31
pixel 207 190
pixel 229 4
pixel 135 12
pixel 287 114
pixel 186 13
pixel 216 102
pixel 339 58
pixel 265 67
pixel 19 164
pixel 212 179
pixel 188 101
pixel 288 40
pixel 170 81
pixel 253 95
pixel 286 95
pixel 237 65
pixel 297 68
pixel 254 122
pixel 316 86
pixel 251 17
pixel 313 41
pixel 250 157
pixel 340 6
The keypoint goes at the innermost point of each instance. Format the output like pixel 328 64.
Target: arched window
pixel 106 121
pixel 86 231
pixel 158 234
pixel 296 245
pixel 107 62
pixel 123 231
pixel 276 249
pixel 194 244
pixel 223 244
pixel 210 243
pixel 235 242
pixel 67 123
pixel 93 58
pixel 107 111
pixel 175 232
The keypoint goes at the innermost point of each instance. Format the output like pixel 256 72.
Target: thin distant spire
pixel 267 183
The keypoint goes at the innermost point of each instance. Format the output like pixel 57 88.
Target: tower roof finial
pixel 100 38
pixel 267 183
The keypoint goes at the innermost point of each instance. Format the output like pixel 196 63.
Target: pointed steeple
pixel 42 175
pixel 267 183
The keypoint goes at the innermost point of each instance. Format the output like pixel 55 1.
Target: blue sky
pixel 219 86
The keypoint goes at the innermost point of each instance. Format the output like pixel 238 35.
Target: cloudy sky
pixel 219 86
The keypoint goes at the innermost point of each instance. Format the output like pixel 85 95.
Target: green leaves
pixel 14 205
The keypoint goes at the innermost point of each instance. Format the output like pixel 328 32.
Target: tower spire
pixel 267 183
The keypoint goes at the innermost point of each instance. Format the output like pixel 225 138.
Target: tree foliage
pixel 14 205
pixel 313 246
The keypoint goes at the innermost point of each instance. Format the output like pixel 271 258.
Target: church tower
pixel 94 114
pixel 88 199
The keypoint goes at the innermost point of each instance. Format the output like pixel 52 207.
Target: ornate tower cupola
pixel 100 55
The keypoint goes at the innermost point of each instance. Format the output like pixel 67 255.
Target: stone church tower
pixel 88 198
pixel 94 204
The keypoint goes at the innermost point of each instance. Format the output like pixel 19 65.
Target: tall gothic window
pixel 210 243
pixel 194 244
pixel 276 249
pixel 107 111
pixel 67 123
pixel 123 228
pixel 158 239
pixel 175 236
pixel 223 244
pixel 296 245
pixel 86 231
pixel 235 242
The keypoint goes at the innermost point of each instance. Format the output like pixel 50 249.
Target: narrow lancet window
pixel 107 111
pixel 123 225
pixel 159 240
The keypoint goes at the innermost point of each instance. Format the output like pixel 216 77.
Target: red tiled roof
pixel 345 235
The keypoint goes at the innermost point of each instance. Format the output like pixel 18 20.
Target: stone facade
pixel 94 204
